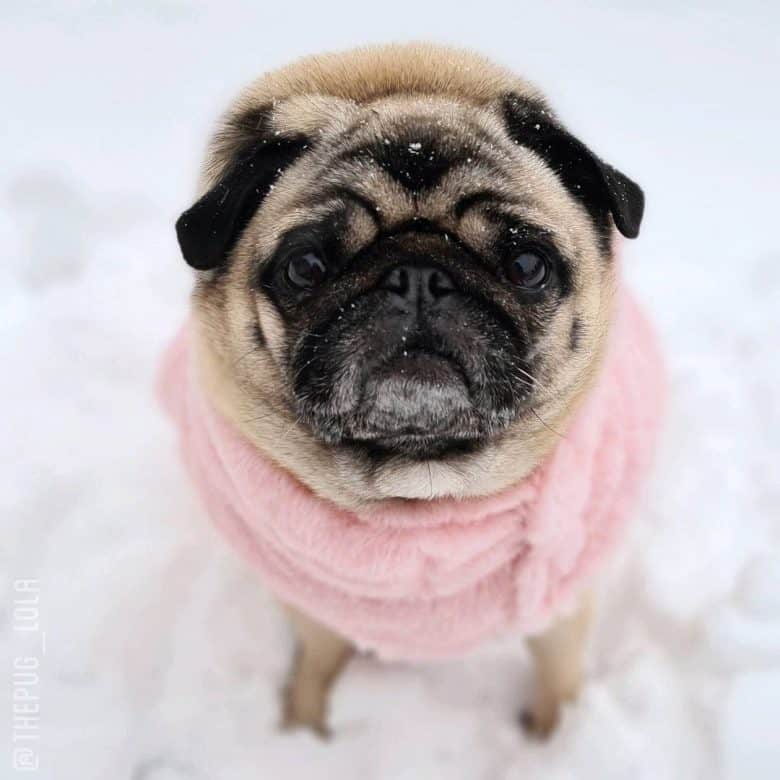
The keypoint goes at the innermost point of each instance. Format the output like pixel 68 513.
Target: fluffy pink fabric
pixel 426 579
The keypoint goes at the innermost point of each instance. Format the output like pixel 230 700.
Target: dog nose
pixel 418 283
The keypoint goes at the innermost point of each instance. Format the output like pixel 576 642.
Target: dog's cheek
pixel 272 329
pixel 559 355
pixel 318 362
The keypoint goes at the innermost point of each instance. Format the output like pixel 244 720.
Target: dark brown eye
pixel 529 270
pixel 306 271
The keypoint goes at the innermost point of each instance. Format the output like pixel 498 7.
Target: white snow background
pixel 163 657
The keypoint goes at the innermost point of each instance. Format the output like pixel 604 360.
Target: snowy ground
pixel 162 658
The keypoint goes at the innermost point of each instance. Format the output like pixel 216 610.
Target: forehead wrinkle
pixel 392 201
pixel 446 144
pixel 479 232
pixel 449 126
pixel 479 154
pixel 440 203
pixel 362 185
pixel 341 196
pixel 360 231
pixel 359 228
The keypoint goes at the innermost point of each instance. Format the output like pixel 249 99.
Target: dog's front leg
pixel 558 656
pixel 319 657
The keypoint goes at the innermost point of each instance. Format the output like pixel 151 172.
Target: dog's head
pixel 406 271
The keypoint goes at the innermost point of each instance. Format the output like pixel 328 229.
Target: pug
pixel 405 284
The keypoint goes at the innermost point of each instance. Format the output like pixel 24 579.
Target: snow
pixel 162 657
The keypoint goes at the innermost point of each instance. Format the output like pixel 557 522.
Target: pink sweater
pixel 427 579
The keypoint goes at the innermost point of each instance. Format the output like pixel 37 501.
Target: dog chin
pixel 454 476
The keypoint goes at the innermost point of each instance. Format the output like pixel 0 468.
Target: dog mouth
pixel 416 403
pixel 413 448
pixel 416 393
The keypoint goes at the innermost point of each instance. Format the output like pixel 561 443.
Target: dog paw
pixel 539 722
pixel 304 710
pixel 318 728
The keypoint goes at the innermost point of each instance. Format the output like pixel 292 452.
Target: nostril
pixel 397 281
pixel 414 283
pixel 439 283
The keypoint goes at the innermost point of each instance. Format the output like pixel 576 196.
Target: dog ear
pixel 601 188
pixel 208 230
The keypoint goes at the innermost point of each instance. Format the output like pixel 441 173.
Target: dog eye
pixel 528 269
pixel 306 271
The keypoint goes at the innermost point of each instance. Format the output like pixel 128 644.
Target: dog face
pixel 405 280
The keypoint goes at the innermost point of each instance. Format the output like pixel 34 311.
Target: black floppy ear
pixel 208 230
pixel 602 189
